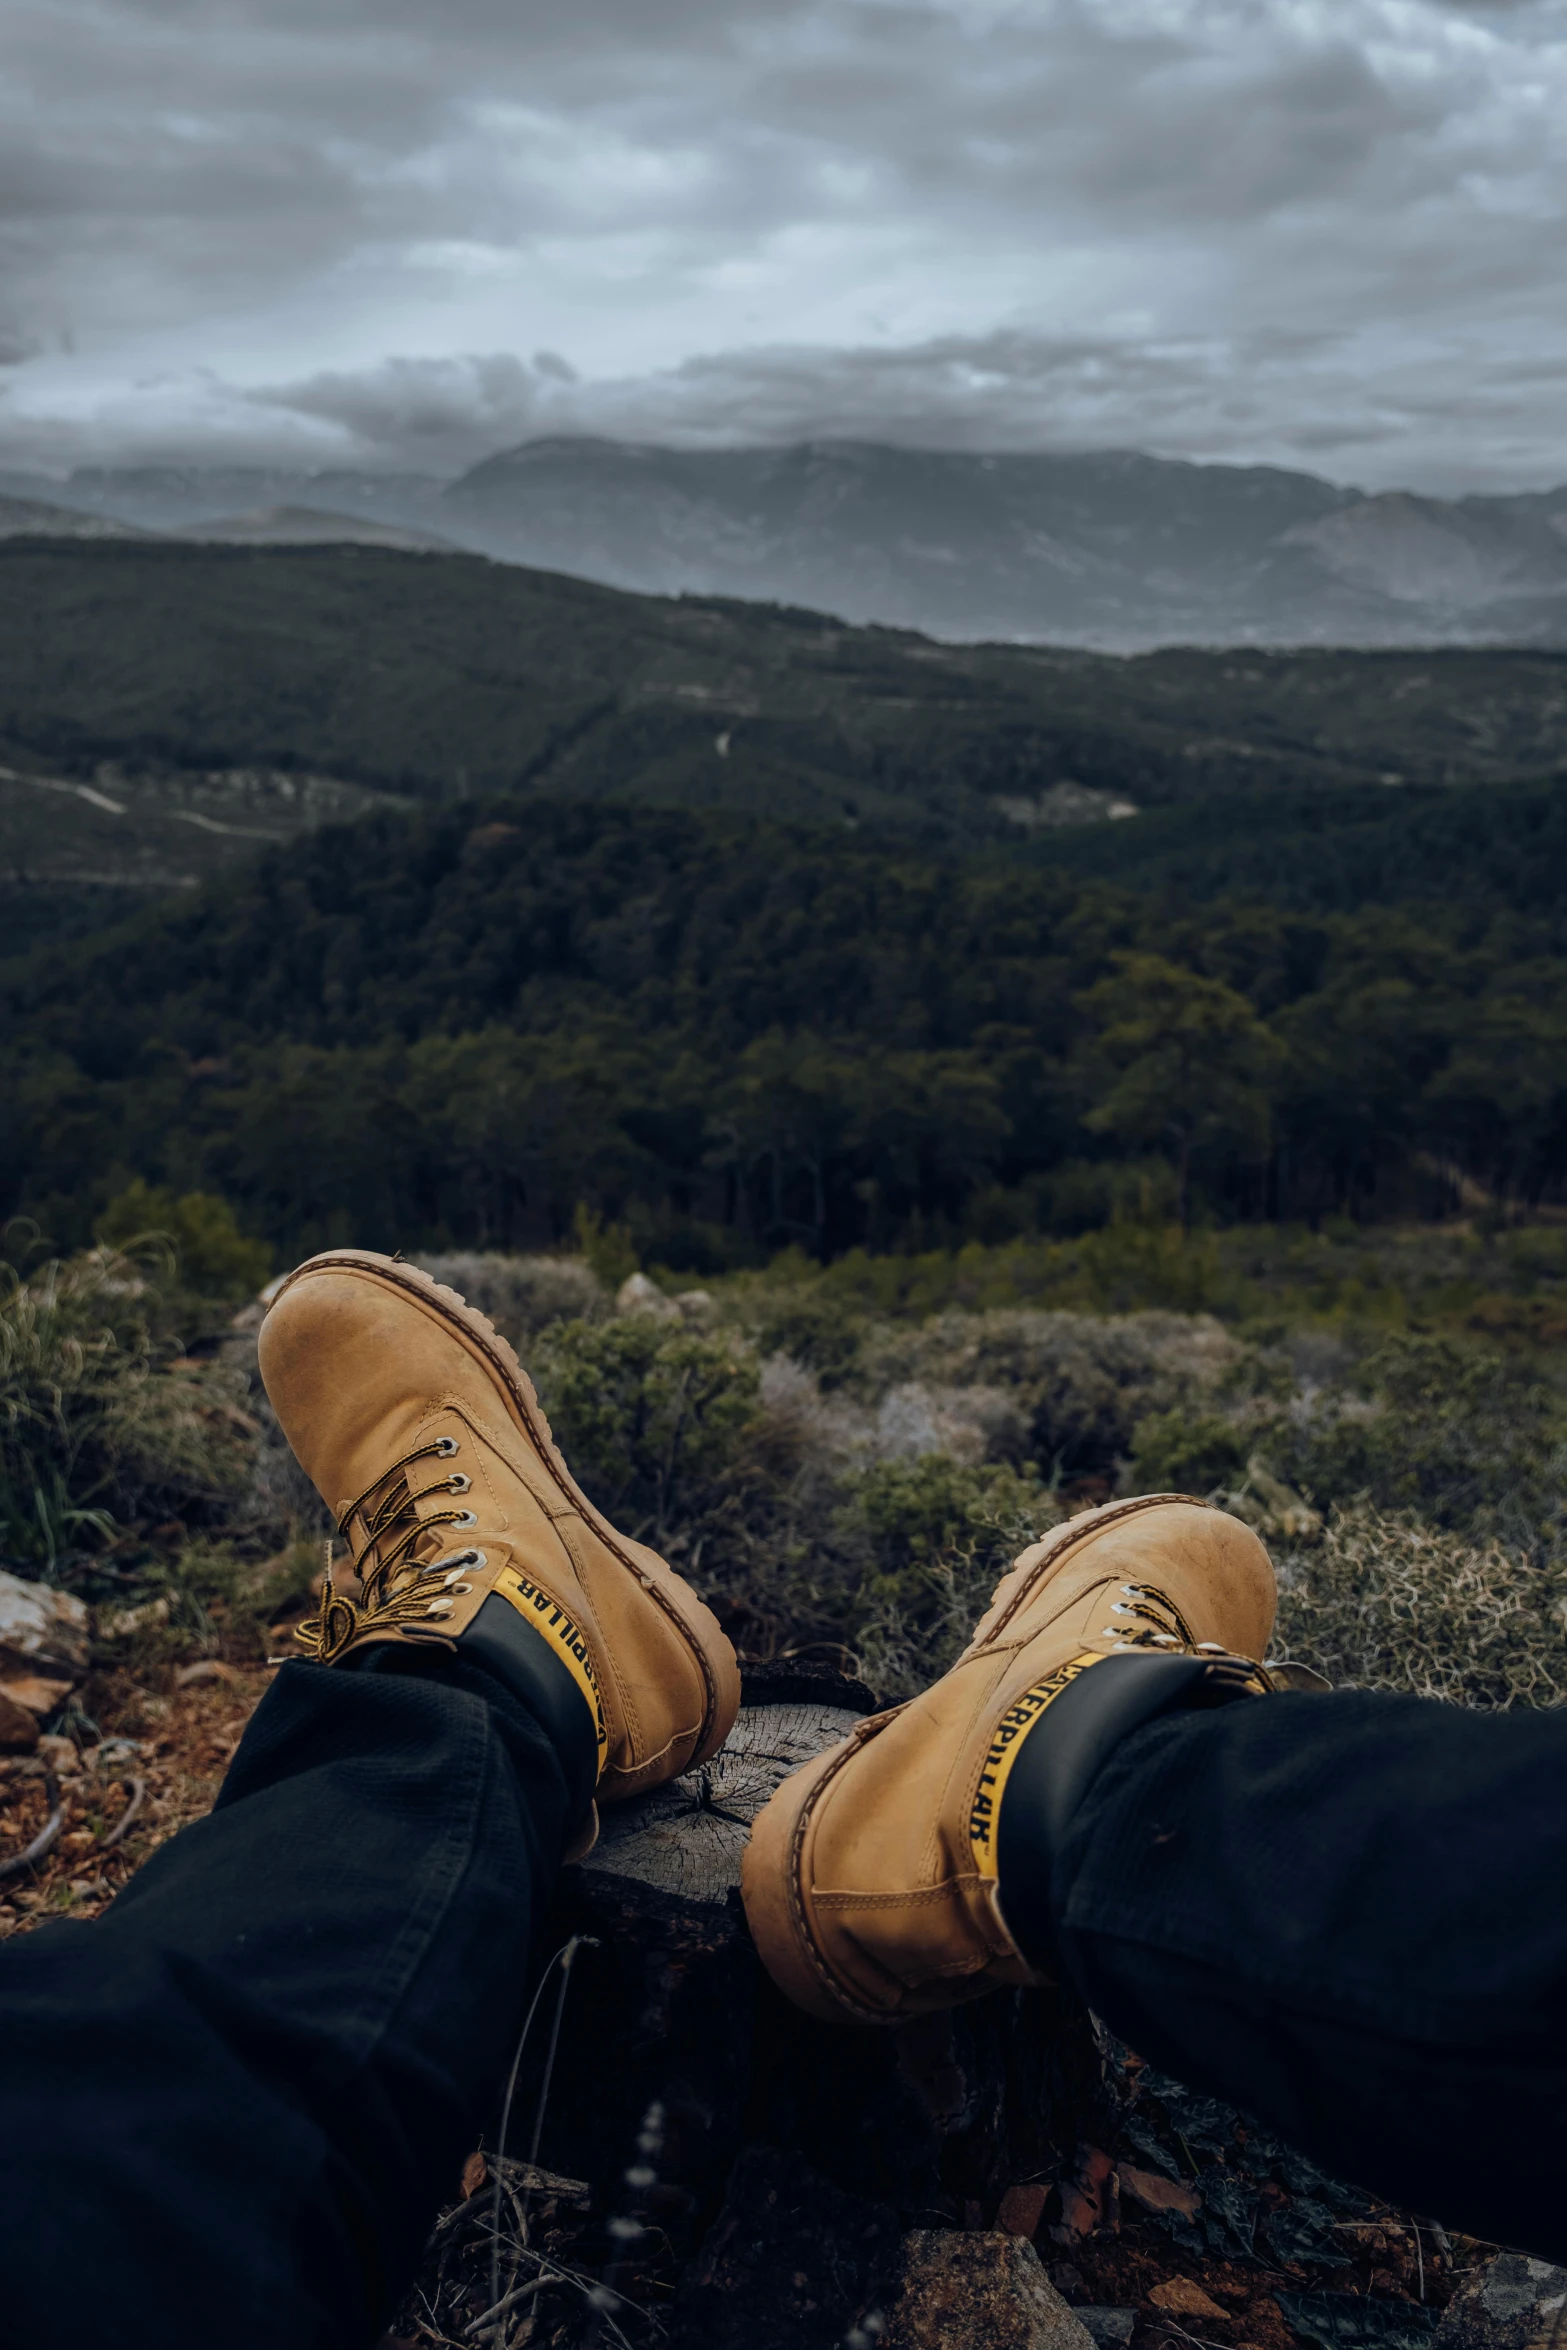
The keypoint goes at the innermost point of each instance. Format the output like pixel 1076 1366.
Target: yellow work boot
pixel 871 1878
pixel 421 1432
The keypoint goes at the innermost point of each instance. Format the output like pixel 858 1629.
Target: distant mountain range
pixel 1112 550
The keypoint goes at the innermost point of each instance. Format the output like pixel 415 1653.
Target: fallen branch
pixel 47 1835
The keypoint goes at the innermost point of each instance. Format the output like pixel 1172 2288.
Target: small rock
pixel 61 1756
pixel 32 1691
pixel 1179 2297
pixel 209 1669
pixel 964 2291
pixel 1512 2301
pixel 122 1623
pixel 638 1295
pixel 1021 2210
pixel 18 1728
pixel 1088 2196
pixel 1151 2192
pixel 41 1630
pixel 1110 2328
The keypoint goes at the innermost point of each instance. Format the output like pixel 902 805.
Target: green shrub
pixel 923 1544
pixel 212 1256
pixel 1082 1383
pixel 822 1332
pixel 1186 1452
pixel 651 1416
pixel 1465 1438
pixel 1134 1264
pixel 608 1250
pixel 102 1424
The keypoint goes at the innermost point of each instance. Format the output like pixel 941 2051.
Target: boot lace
pixel 1149 1618
pixel 397 1586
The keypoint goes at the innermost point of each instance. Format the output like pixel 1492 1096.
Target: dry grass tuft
pixel 102 1420
pixel 1386 1602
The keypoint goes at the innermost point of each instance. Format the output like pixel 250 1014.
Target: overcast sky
pixel 1323 233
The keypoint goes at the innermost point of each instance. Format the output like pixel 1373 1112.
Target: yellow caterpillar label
pixel 549 1618
pixel 1004 1750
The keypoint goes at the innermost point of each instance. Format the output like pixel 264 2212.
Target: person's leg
pixel 230 2107
pixel 1347 1915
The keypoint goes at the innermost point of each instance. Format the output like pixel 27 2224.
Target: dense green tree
pixel 1501 1094
pixel 1187 1063
pixel 464 1024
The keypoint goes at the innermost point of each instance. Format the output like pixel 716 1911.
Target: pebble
pixel 1510 2304
pixel 975 2290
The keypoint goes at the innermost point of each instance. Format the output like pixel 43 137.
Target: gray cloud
pixel 1226 228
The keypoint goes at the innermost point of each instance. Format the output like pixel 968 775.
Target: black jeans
pixel 1348 1916
pixel 229 2108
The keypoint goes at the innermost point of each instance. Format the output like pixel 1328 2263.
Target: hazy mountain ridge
pixel 314 526
pixel 39 517
pixel 1109 549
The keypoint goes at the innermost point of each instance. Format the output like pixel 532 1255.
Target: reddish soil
pixel 179 1734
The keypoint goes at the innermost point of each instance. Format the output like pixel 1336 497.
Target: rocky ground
pixel 128 1773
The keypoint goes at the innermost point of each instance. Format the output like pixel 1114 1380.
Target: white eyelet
pixel 1212 1648
pixel 446 1446
pixel 1119 1608
pixel 459 1482
pixel 464 1518
pixel 440 1607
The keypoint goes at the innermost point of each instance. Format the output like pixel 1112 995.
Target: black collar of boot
pixel 1063 1752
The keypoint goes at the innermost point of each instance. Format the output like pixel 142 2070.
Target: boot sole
pixel 697 1624
pixel 771 1864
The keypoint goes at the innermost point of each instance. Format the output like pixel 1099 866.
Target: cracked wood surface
pixel 685 1838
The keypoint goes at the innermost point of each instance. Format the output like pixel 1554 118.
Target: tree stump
pixel 751 2133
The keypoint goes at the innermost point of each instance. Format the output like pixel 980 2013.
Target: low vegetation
pixel 843 1475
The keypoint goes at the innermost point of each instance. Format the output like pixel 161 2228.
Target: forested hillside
pixel 467 1022
pixel 431 674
